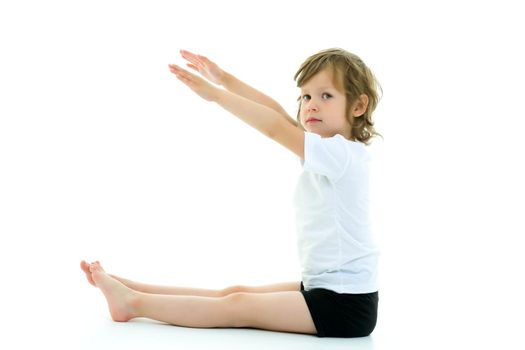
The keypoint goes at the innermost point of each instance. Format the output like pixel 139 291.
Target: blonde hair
pixel 353 78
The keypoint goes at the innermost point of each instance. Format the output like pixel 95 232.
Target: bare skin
pixel 121 299
pixel 278 307
pixel 172 290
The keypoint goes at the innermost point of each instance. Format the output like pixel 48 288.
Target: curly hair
pixel 353 78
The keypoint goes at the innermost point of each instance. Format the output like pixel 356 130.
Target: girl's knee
pixel 236 307
pixel 232 289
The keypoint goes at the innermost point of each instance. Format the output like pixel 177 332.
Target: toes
pixel 90 267
pixel 87 269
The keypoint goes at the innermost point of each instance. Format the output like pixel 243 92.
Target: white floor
pixel 142 334
pixel 73 315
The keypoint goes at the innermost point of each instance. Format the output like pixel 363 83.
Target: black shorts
pixel 342 315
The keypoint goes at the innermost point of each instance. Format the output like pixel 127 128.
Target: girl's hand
pixel 204 66
pixel 197 84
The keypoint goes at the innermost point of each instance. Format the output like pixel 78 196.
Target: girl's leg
pixel 216 293
pixel 281 311
pixel 169 290
pixel 155 289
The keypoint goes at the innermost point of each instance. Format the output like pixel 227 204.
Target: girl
pixel 338 294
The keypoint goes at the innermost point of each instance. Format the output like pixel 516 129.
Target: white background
pixel 104 155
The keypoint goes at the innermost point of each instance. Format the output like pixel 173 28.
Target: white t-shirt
pixel 336 249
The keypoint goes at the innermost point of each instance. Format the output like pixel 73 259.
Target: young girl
pixel 338 295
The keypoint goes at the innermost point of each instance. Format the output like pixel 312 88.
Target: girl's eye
pixel 324 94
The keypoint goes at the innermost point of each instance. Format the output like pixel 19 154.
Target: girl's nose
pixel 311 106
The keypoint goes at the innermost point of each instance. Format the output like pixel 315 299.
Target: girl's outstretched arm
pixel 231 83
pixel 263 118
pixel 211 71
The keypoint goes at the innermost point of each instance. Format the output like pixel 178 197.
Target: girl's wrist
pixel 225 79
pixel 215 95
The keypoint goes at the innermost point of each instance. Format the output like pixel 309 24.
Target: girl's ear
pixel 360 106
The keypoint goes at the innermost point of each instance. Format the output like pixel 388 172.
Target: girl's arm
pixel 263 118
pixel 214 73
pixel 231 83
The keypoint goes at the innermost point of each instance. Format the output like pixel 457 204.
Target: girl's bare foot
pixel 85 267
pixel 122 301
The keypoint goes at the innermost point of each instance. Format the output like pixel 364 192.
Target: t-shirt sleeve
pixel 325 156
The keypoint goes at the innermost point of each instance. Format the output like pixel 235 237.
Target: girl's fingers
pixel 184 76
pixel 192 66
pixel 205 60
pixel 190 56
pixel 178 70
pixel 196 60
pixel 186 52
pixel 181 74
pixel 185 81
pixel 196 63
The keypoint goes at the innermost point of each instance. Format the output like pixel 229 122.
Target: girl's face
pixel 323 107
